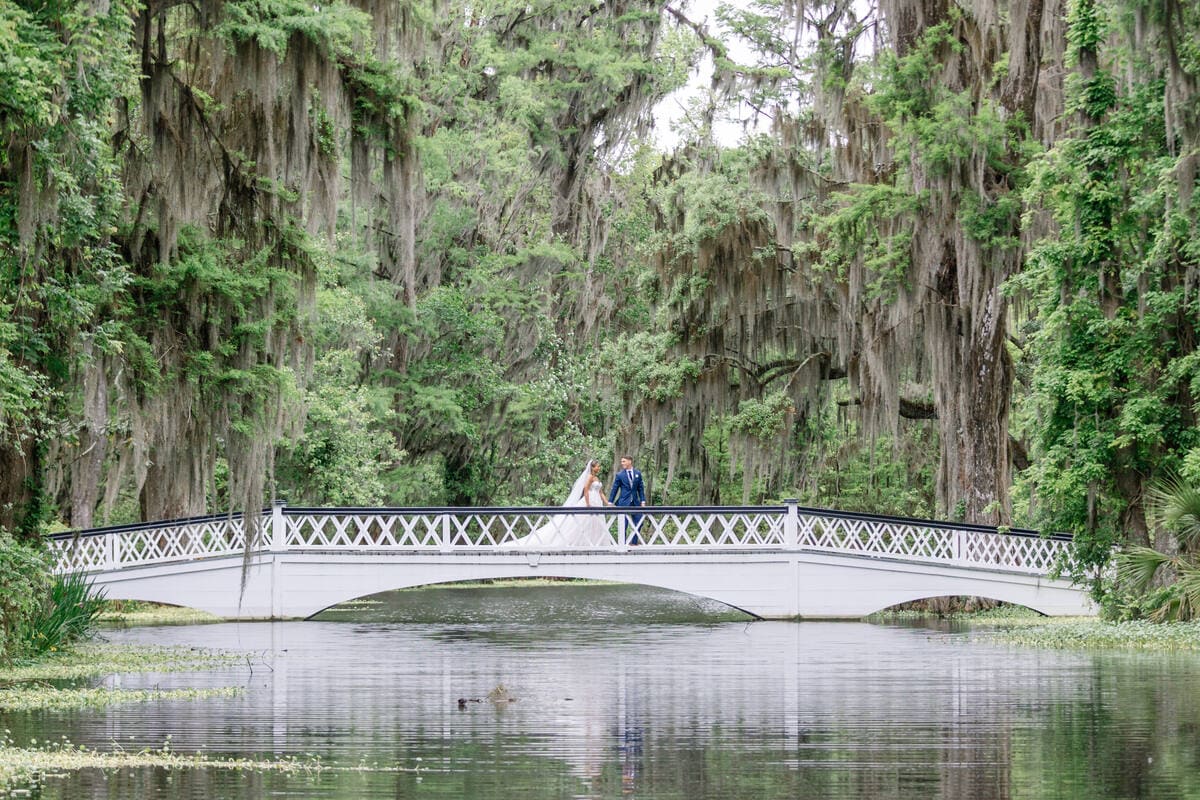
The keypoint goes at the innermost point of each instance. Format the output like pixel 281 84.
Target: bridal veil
pixel 575 496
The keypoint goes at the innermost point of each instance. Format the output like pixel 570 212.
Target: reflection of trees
pixel 1125 739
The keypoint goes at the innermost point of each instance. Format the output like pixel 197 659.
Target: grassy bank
pixel 131 613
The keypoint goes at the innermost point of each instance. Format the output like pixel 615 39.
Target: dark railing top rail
pixel 142 526
pixel 809 510
pixel 649 510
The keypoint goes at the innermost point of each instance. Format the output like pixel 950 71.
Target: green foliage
pixel 763 419
pixel 783 66
pixel 710 201
pixel 23 392
pixel 68 615
pixel 1111 348
pixel 856 229
pixel 489 401
pixel 1177 503
pixel 641 363
pixel 30 54
pixel 41 613
pixel 24 584
pixel 1067 633
pixel 937 130
pixel 885 477
pixel 557 422
pixel 334 27
pixel 40 698
pixel 346 447
pixel 836 466
pixel 1136 593
pixel 1086 28
pixel 61 199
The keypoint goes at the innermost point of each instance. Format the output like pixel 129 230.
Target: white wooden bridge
pixel 772 561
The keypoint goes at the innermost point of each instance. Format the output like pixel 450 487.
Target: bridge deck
pixel 782 561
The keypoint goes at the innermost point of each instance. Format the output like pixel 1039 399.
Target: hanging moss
pixel 887 223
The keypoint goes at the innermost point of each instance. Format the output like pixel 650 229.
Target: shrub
pixel 1176 502
pixel 40 612
pixel 24 587
pixel 68 614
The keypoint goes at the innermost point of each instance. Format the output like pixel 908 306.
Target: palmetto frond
pixel 1189 593
pixel 1136 567
pixel 1167 612
pixel 1178 503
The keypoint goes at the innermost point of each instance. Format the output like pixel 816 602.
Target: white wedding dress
pixel 571 530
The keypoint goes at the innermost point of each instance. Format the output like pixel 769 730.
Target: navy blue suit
pixel 629 490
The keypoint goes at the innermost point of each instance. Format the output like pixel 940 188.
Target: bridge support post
pixel 791 524
pixel 278 531
pixel 278 544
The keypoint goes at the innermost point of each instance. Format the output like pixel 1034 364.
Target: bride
pixel 573 530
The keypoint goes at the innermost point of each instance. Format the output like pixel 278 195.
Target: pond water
pixel 619 691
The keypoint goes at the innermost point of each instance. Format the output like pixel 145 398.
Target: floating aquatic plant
pixel 96 658
pixel 40 697
pixel 1079 633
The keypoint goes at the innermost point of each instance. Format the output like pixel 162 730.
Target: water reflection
pixel 608 705
pixel 517 603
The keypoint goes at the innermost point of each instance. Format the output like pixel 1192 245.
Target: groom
pixel 628 490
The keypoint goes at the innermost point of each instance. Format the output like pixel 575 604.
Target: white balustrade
pixel 449 530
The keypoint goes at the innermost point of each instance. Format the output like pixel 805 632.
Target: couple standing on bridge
pixel 591 530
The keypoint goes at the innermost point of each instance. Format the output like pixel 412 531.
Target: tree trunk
pixel 176 481
pixel 20 477
pixel 960 272
pixel 87 467
pixel 972 375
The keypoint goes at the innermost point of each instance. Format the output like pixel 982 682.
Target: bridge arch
pixel 584 592
pixel 1015 598
pixel 340 591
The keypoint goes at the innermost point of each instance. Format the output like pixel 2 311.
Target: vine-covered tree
pixel 415 253
pixel 1114 373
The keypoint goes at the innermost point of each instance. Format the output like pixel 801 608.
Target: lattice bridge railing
pixel 516 530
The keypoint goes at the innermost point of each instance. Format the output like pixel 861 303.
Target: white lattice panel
pixel 359 532
pixel 912 541
pixel 1026 553
pixel 707 529
pixel 178 542
pixel 84 554
pixel 484 530
pixel 131 548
